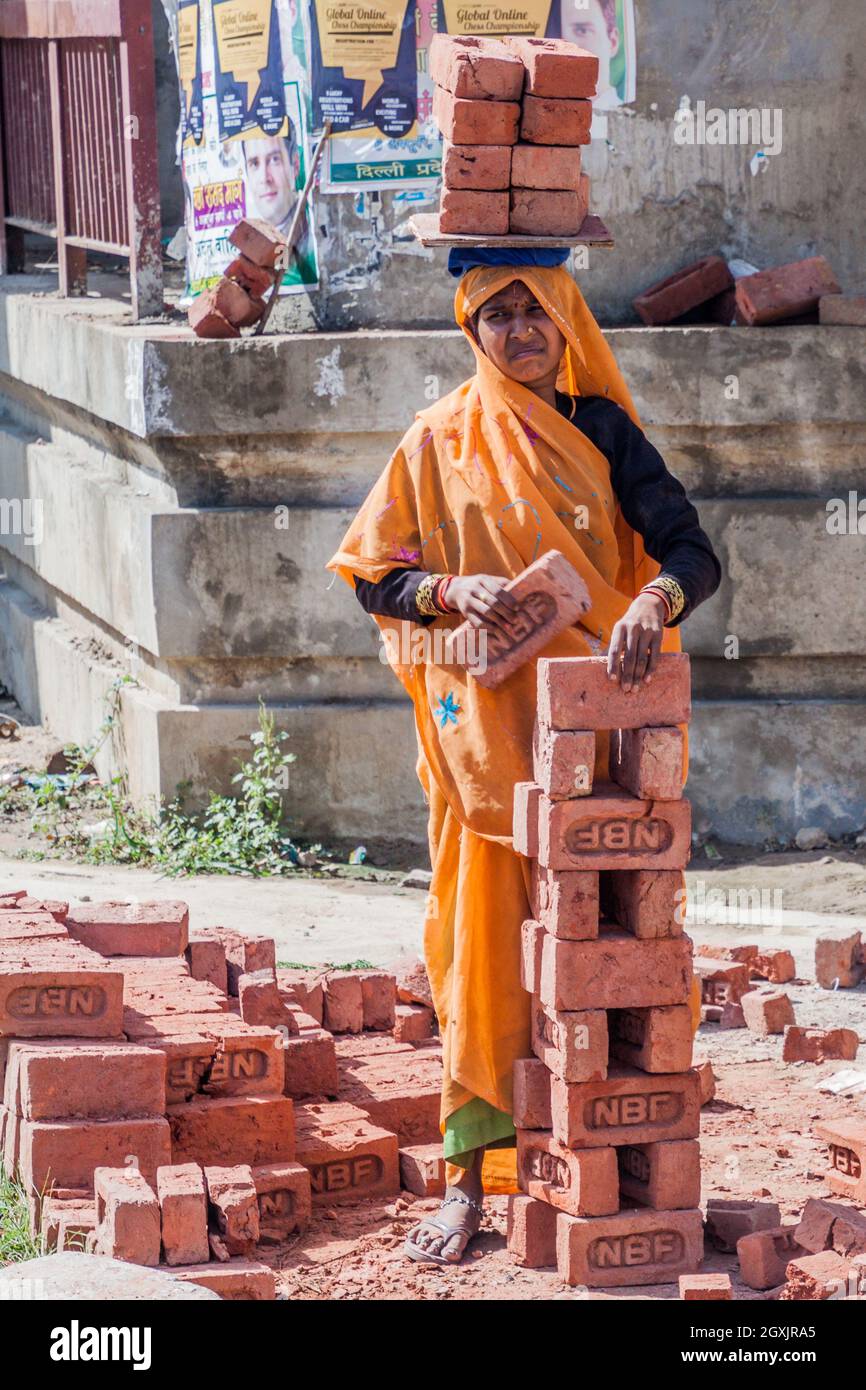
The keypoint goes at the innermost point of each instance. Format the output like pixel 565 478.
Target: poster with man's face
pixel 606 28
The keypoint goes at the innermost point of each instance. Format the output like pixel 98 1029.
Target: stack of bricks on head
pixel 178 1099
pixel 513 114
pixel 238 300
pixel 608 1110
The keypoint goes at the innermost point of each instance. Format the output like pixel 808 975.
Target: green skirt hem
pixel 476 1125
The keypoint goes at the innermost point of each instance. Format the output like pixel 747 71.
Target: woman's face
pixel 514 331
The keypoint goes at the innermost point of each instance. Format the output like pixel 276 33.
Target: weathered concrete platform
pixel 191 493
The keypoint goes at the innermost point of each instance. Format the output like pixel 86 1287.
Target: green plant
pixel 16 1241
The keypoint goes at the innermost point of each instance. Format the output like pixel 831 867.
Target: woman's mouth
pixel 526 352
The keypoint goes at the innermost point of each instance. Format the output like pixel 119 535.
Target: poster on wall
pixel 244 131
pixel 368 78
pixel 606 28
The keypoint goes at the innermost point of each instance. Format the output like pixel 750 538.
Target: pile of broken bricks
pixel 706 291
pixel 238 299
pixel 513 114
pixel 730 997
pixel 180 1098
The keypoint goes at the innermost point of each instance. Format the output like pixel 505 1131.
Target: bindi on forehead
pixel 512 297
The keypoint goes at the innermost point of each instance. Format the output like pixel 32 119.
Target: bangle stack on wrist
pixel 671 591
pixel 429 596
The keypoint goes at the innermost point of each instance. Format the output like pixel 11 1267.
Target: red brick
pixel 613 830
pixel 486 167
pixel 234 1059
pixel 634 1247
pixel 552 121
pixel 379 999
pixel 127 1216
pixel 310 1064
pixel 261 1004
pixel 468 212
pixel 233 1207
pixel 531 1104
pixel 206 321
pixel 259 241
pixel 653 1039
pixel 573 1046
pixel 704 1288
pixel 838 961
pixel 52 906
pixel 206 957
pixel 551 596
pixel 649 903
pixel 674 296
pixel 475 122
pixel 305 988
pixel 76 1002
pixel 815 1229
pixel 531 944
pixel 785 291
pixel 183 1210
pixel 245 954
pixel 765 1255
pixel 546 166
pixel 820 1044
pixel 563 762
pixel 531 1232
pixel 630 1107
pixel 86 1081
pixel 225 1131
pixel 729 1220
pixel 665 1176
pixel 31 926
pixel 67 1152
pixel 648 762
pixel 555 68
pixel 847 1141
pixel 413 984
pixel 775 966
pixel 527 798
pixel 849 1234
pixel 480 69
pixel 422 1169
pixel 228 298
pixel 239 1280
pixel 549 211
pixel 816 1277
pixel 132 929
pixel 399 1090
pixel 255 279
pixel 566 901
pixel 413 1023
pixel 349 1158
pixel 615 972
pixel 72 1223
pixel 585 1183
pixel 344 1002
pixel 722 983
pixel 284 1200
pixel 577 693
pixel 767 1011
pixel 707 1081
pixel 842 308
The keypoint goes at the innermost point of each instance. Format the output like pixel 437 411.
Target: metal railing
pixel 78 146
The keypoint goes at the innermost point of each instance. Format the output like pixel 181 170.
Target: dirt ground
pixel 756 1135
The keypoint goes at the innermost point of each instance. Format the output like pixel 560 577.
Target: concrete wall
pixel 667 204
pixel 159 461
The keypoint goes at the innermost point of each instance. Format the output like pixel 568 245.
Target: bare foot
pixel 445 1235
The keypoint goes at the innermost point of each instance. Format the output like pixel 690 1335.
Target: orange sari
pixel 485 481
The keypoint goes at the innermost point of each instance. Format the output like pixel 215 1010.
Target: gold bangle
pixel 672 591
pixel 424 596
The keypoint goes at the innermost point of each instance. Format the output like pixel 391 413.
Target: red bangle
pixel 440 591
pixel 659 593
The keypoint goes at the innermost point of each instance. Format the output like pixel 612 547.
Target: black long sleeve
pixel 653 501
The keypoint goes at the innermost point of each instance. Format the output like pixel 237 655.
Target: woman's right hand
pixel 482 599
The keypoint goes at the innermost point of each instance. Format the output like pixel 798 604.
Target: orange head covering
pixel 485 481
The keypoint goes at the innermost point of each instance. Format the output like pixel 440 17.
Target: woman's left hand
pixel 636 642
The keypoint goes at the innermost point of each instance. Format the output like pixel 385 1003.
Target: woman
pixel 497 472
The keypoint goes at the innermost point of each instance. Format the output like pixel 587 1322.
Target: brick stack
pixel 608 1110
pixel 513 114
pixel 149 1081
pixel 238 299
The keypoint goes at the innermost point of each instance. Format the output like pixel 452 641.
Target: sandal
pixel 417 1252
